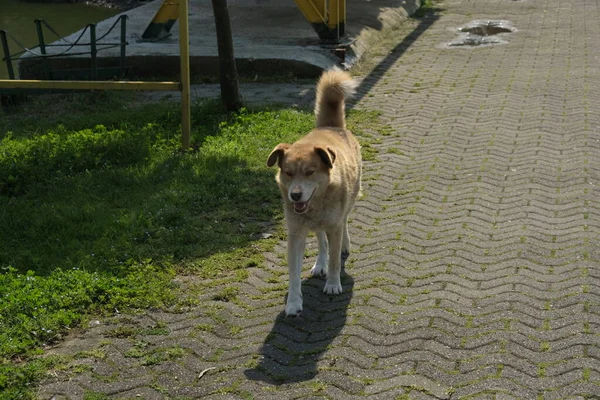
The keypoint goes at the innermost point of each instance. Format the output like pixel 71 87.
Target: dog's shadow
pixel 292 350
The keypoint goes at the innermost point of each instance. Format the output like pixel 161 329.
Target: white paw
pixel 333 287
pixel 318 270
pixel 293 307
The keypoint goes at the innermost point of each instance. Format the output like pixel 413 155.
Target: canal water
pixel 16 17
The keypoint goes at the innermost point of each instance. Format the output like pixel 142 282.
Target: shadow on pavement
pixel 292 350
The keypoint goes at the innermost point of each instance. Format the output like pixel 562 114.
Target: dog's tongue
pixel 300 206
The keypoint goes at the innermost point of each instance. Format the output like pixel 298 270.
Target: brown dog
pixel 319 178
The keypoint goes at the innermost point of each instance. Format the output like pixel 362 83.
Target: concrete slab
pixel 270 37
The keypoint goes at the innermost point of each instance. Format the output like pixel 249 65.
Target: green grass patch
pixel 226 294
pixel 100 210
pixel 122 332
pixel 16 380
pixel 95 396
pixel 161 355
pixel 35 310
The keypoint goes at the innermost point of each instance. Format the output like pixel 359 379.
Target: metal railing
pixel 95 45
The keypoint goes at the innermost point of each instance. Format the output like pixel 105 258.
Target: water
pixel 16 17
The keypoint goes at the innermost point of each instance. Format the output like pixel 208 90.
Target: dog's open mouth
pixel 301 206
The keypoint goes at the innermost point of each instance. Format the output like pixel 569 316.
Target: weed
pixel 122 332
pixel 234 330
pixel 158 329
pixel 227 294
pixel 160 355
pixel 138 350
pixel 95 354
pixel 544 346
pixel 252 363
pixel 205 327
pixel 95 396
pixel 15 379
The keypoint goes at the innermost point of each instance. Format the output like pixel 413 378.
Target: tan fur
pixel 332 90
pixel 319 179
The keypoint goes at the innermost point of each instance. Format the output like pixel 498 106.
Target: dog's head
pixel 303 171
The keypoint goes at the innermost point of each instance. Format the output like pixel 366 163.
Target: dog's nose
pixel 296 195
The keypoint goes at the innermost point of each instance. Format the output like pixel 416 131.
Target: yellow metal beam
pixel 89 85
pixel 327 17
pixel 163 20
pixel 184 60
pixel 314 10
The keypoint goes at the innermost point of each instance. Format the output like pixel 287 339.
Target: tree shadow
pixel 427 18
pixel 175 211
pixel 293 348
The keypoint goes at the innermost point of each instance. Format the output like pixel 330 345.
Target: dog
pixel 320 179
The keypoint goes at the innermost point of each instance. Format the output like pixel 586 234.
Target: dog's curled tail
pixel 334 87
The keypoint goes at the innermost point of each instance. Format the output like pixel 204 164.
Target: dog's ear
pixel 327 155
pixel 277 154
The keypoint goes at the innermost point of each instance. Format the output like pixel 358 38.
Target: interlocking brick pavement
pixel 475 268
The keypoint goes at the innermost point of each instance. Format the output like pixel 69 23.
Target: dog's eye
pixel 309 173
pixel 288 173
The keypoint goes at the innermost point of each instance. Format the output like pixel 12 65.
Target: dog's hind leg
pixel 296 244
pixel 345 244
pixel 346 238
pixel 320 267
pixel 333 283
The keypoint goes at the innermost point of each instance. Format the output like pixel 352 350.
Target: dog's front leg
pixel 333 284
pixel 320 267
pixel 296 243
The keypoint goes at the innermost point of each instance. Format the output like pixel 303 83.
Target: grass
pixel 100 210
pixel 106 195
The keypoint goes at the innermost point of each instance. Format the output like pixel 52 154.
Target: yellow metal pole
pixel 184 57
pixel 342 21
pixel 337 17
pixel 89 85
pixel 334 15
